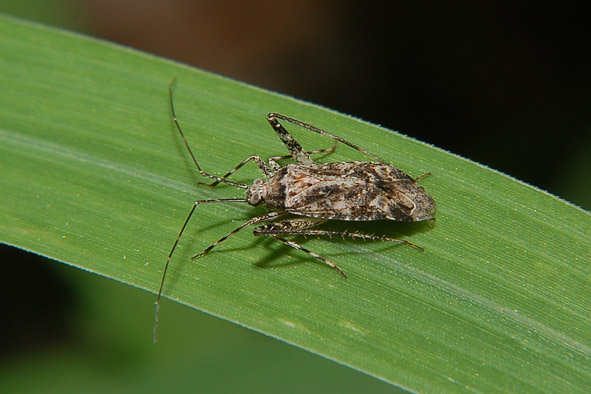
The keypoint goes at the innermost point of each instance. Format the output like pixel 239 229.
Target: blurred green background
pixel 505 85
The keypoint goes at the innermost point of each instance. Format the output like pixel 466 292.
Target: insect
pixel 301 196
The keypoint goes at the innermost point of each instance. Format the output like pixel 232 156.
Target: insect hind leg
pixel 313 254
pixel 303 227
pixel 343 234
pixel 296 226
pixel 279 129
pixel 297 152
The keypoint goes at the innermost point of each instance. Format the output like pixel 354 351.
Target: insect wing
pixel 355 191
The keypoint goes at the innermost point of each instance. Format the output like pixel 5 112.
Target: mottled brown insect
pixel 306 194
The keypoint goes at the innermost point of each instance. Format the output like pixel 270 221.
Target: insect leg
pixel 198 202
pixel 265 168
pixel 295 226
pixel 272 119
pixel 273 160
pixel 259 219
pixel 315 255
pixel 297 152
pixel 256 158
pixel 178 126
pixel 423 176
pixel 268 230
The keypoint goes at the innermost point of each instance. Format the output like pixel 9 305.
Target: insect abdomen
pixel 356 191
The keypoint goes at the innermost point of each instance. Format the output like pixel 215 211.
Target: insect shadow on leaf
pixel 303 195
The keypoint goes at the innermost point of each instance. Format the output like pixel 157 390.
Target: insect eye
pixel 255 199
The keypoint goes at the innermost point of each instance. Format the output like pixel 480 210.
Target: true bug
pixel 306 194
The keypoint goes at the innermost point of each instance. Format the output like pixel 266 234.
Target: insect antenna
pixel 205 174
pixel 178 126
pixel 155 338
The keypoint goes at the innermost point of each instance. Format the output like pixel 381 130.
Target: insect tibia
pixel 296 150
pixel 280 130
pixel 309 252
pixel 284 228
pixel 425 175
pixel 156 314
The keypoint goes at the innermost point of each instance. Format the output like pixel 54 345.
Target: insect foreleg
pixel 256 158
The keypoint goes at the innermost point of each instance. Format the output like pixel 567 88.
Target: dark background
pixel 506 84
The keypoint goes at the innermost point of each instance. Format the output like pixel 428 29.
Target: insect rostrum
pixel 301 196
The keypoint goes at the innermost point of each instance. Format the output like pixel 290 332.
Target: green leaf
pixel 94 175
